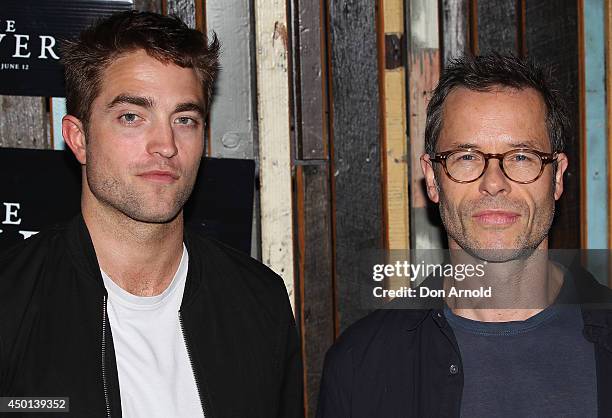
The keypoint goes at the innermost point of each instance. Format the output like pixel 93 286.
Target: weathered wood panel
pixel 395 140
pixel 596 138
pixel 355 109
pixel 148 5
pixel 552 38
pixel 312 85
pixel 57 111
pixel 608 35
pixel 24 122
pixel 271 43
pixel 498 26
pixel 185 9
pixel 426 231
pixel 315 273
pixel 455 28
pixel 313 194
pixel 232 116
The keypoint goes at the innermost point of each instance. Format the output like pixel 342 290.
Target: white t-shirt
pixel 155 374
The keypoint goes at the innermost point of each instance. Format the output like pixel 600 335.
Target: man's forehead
pixel 528 94
pixel 145 76
pixel 510 117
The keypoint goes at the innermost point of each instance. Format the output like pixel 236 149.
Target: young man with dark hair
pixel 494 164
pixel 124 310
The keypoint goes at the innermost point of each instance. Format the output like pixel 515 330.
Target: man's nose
pixel 162 141
pixel 493 180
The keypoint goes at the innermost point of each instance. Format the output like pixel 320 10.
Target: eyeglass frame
pixel 545 158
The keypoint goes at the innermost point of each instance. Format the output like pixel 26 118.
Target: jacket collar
pixel 82 251
pixel 83 255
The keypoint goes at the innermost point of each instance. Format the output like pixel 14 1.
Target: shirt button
pixel 453 369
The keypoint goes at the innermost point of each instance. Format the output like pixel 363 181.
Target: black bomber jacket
pixel 56 341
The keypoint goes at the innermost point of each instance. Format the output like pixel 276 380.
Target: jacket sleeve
pixel 291 399
pixel 336 382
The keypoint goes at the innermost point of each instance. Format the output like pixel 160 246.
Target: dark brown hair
pixel 487 72
pixel 165 38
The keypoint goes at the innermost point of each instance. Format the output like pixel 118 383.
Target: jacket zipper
pixel 104 380
pixel 195 376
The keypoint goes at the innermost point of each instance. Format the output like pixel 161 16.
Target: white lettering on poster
pixel 11 217
pixel 23 44
pixel 10 214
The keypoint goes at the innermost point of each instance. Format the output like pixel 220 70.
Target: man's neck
pixel 140 257
pixel 520 288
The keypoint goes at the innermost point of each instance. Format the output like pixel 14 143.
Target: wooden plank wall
pixel 312 192
pixel 356 128
pixel 185 9
pixel 273 91
pixel 395 140
pixel 455 21
pixel 551 37
pixel 233 114
pixel 24 122
pixel 608 46
pixel 497 26
pixel 424 62
pixel 595 202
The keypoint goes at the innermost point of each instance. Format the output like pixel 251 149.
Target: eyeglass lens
pixel 519 166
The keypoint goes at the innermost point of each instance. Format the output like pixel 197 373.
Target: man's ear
pixel 74 135
pixel 433 190
pixel 562 163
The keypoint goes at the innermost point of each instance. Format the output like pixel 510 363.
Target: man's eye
pixel 185 120
pixel 129 118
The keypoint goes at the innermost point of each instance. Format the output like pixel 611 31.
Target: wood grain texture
pixel 312 87
pixel 24 122
pixel 596 138
pixel 315 274
pixel 355 109
pixel 552 39
pixel 185 9
pixel 608 35
pixel 395 141
pixel 455 28
pixel 233 113
pixel 396 160
pixel 498 26
pixel 423 74
pixel 273 110
pixel 148 5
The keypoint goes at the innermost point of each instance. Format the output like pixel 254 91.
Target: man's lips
pixel 496 217
pixel 159 176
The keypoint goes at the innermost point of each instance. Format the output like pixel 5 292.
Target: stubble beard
pixel 455 220
pixel 133 203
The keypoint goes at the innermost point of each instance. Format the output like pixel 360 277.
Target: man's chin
pixel 494 248
pixel 497 254
pixel 154 217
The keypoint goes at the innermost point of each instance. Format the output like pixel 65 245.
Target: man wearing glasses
pixel 494 164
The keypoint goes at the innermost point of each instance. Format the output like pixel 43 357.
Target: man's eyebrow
pixel 129 99
pixel 190 107
pixel 463 145
pixel 524 144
